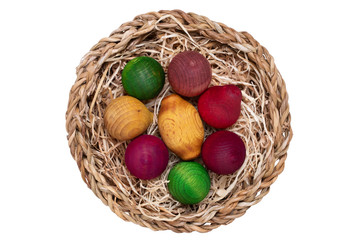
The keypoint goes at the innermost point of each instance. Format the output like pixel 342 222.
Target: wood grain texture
pixel 189 182
pixel 143 78
pixel 223 152
pixel 146 157
pixel 220 106
pixel 181 127
pixel 126 118
pixel 189 73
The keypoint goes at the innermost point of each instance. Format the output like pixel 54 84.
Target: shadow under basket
pixel 236 58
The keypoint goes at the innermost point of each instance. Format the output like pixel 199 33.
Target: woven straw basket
pixel 236 58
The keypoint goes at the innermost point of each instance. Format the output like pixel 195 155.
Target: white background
pixel 316 48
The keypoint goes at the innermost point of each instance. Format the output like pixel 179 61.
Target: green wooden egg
pixel 189 182
pixel 143 78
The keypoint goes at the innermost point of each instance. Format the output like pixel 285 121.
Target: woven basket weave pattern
pixel 236 58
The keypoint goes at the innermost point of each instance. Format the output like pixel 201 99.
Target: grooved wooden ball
pixel 143 78
pixel 189 73
pixel 189 182
pixel 223 152
pixel 220 106
pixel 146 157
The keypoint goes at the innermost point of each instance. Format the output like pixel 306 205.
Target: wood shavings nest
pixel 236 58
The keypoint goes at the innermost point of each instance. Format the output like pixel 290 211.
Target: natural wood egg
pixel 126 118
pixel 181 127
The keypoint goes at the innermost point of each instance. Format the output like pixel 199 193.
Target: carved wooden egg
pixel 126 118
pixel 146 157
pixel 223 152
pixel 189 73
pixel 220 106
pixel 181 127
pixel 189 182
pixel 143 78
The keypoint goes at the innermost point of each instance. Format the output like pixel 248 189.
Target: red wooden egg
pixel 223 152
pixel 189 73
pixel 146 157
pixel 220 106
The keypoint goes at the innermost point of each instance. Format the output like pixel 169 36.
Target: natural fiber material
pixel 236 58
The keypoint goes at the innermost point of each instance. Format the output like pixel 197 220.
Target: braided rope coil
pixel 236 58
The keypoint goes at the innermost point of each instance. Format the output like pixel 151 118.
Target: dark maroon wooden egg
pixel 189 73
pixel 220 106
pixel 146 157
pixel 223 152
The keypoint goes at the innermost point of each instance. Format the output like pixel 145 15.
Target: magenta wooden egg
pixel 146 157
pixel 223 152
pixel 189 73
pixel 220 106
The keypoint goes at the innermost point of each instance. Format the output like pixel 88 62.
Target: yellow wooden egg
pixel 181 127
pixel 126 118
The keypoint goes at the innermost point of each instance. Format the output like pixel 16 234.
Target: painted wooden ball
pixel 223 152
pixel 220 106
pixel 146 157
pixel 189 73
pixel 189 182
pixel 143 78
